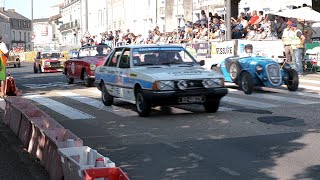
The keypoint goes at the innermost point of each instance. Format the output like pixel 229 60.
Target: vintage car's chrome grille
pixel 192 84
pixel 274 73
pixel 55 64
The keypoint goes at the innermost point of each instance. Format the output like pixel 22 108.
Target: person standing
pixel 286 40
pixel 3 55
pixel 297 46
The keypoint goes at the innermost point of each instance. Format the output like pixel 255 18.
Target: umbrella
pixel 304 13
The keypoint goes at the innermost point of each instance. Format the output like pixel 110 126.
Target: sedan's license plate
pixel 191 99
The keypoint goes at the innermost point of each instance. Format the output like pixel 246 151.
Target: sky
pixel 41 8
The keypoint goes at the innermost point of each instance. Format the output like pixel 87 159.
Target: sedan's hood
pixel 172 73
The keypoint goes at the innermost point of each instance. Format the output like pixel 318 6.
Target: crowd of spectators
pixel 255 25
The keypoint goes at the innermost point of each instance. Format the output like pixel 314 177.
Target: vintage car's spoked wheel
pixel 70 80
pixel 87 80
pixel 143 105
pixel 234 71
pixel 211 106
pixel 293 80
pixel 106 98
pixel 247 83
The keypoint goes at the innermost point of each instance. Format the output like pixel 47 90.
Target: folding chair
pixel 313 59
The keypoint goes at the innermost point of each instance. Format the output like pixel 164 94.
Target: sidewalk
pixel 15 162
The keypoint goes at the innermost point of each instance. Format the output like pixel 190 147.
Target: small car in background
pixel 48 61
pixel 158 75
pixel 84 65
pixel 14 60
pixel 251 71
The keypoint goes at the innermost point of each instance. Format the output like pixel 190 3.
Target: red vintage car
pixel 83 66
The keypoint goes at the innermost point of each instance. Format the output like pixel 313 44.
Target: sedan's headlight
pixel 47 63
pixel 259 68
pixel 163 85
pixel 92 67
pixel 211 83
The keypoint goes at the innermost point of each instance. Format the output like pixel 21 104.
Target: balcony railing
pixel 69 25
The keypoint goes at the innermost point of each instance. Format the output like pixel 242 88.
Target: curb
pixel 55 146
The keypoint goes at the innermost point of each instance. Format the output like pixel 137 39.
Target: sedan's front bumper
pixel 158 98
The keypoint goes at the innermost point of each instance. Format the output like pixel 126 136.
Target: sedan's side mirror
pixel 202 62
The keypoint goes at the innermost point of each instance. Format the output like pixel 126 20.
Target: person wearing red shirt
pixel 254 17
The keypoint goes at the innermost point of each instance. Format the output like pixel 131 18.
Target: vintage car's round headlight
pixel 182 84
pixel 259 68
pixel 92 67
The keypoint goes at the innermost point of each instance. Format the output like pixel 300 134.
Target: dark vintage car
pixel 84 65
pixel 251 71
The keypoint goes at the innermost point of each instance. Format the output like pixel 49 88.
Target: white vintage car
pixel 158 75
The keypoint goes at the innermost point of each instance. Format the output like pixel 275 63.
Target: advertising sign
pixel 221 51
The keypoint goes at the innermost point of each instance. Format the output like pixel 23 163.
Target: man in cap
pixel 286 40
pixel 297 45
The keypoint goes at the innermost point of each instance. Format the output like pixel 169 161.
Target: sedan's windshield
pixel 161 56
pixel 51 55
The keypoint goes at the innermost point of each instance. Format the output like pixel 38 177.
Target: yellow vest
pixel 296 41
pixel 287 36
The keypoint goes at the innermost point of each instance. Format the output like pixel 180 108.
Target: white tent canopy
pixel 304 13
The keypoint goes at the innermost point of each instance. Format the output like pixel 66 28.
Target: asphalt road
pixel 271 134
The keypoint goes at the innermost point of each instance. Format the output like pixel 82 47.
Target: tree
pixel 316 5
pixel 235 8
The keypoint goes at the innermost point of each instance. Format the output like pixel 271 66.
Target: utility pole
pixel 87 15
pixel 227 19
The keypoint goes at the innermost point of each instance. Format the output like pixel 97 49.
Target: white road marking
pixel 48 85
pixel 273 97
pixel 299 93
pixel 309 81
pixel 98 104
pixel 229 171
pixel 172 145
pixel 58 107
pixel 247 102
pixel 309 87
pixel 221 108
pixel 196 156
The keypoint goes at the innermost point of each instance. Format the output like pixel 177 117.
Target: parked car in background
pixel 14 60
pixel 251 71
pixel 158 75
pixel 84 65
pixel 48 61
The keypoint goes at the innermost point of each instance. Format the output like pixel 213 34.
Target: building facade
pixel 5 31
pixel 42 32
pixel 20 28
pixel 55 21
pixel 71 23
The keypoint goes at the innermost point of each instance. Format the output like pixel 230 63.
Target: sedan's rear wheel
pixel 142 104
pixel 106 98
pixel 87 80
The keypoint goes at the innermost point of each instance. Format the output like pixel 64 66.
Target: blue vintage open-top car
pixel 252 71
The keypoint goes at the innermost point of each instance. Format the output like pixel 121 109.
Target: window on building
pixel 13 35
pixel 29 37
pixel 19 23
pixel 149 3
pixel 20 37
pixel 25 36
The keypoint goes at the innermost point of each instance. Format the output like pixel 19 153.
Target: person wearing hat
pixel 297 45
pixel 286 40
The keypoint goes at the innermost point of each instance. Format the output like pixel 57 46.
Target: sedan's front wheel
pixel 106 98
pixel 211 106
pixel 142 104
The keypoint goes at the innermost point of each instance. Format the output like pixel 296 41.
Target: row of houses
pixel 15 29
pixel 70 20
